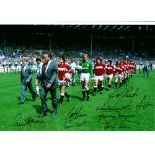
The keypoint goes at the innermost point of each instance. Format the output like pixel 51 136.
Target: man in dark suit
pixel 26 81
pixel 49 83
pixel 146 69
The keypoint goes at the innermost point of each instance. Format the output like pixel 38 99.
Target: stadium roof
pixel 103 30
pixel 107 30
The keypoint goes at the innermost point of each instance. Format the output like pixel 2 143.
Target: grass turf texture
pixel 129 108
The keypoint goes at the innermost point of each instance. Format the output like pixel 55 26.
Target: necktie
pixel 45 67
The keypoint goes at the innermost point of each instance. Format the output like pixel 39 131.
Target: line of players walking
pixel 98 72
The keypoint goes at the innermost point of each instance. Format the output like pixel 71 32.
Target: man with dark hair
pixel 99 72
pixel 109 73
pixel 49 83
pixel 64 74
pixel 118 72
pixel 26 81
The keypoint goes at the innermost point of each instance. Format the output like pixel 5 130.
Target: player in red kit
pixel 118 74
pixel 128 69
pixel 125 71
pixel 109 72
pixel 64 75
pixel 99 72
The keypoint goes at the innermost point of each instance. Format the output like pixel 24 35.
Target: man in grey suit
pixel 26 81
pixel 49 83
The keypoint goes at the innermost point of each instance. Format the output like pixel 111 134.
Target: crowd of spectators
pixel 10 55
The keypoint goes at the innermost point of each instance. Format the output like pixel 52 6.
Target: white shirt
pixel 24 67
pixel 47 65
pixel 73 66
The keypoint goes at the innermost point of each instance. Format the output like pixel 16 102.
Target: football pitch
pixel 129 108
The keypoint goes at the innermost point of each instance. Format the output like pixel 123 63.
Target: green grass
pixel 120 111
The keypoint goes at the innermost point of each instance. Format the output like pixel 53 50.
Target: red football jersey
pixel 125 67
pixel 62 70
pixel 118 69
pixel 122 67
pixel 99 69
pixel 131 67
pixel 109 69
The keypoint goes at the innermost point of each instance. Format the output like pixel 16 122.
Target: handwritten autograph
pixel 74 114
pixel 124 93
pixel 144 102
pixel 75 118
pixel 119 121
pixel 110 113
pixel 111 107
pixel 20 121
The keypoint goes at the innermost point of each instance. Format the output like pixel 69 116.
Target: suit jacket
pixel 27 74
pixel 146 66
pixel 50 75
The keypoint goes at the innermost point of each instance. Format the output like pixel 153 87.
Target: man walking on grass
pixel 26 81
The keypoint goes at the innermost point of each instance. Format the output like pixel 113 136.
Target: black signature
pixel 111 107
pixel 73 118
pixel 112 118
pixel 74 114
pixel 20 121
pixel 104 116
pixel 122 125
pixel 77 124
pixel 109 120
pixel 116 122
pixel 125 93
pixel 144 102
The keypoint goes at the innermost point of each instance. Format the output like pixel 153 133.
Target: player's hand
pixel 48 85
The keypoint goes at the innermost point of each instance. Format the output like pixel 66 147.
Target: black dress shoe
pixel 83 99
pixel 68 99
pixel 21 103
pixel 87 98
pixel 94 94
pixel 54 112
pixel 43 114
pixel 59 103
pixel 34 98
pixel 37 95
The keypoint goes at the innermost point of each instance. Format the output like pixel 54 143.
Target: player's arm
pixel 105 69
pixel 91 69
pixel 114 69
pixel 53 78
pixel 70 70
